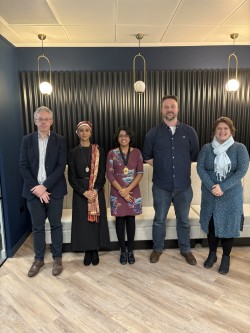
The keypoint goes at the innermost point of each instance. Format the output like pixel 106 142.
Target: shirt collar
pixel 177 124
pixel 41 137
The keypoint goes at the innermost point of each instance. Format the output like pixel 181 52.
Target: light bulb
pixel 45 88
pixel 139 87
pixel 232 85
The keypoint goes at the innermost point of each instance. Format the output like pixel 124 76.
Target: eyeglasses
pixel 40 120
pixel 123 136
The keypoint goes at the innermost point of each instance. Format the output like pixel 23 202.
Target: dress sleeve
pixel 242 167
pixel 201 169
pixel 74 181
pixel 139 168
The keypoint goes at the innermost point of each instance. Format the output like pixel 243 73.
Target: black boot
pixel 211 259
pixel 95 258
pixel 87 258
pixel 224 266
pixel 123 258
pixel 131 258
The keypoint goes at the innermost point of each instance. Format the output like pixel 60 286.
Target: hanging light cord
pixel 42 48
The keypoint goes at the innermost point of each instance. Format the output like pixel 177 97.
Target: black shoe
pixel 211 259
pixel 224 266
pixel 95 258
pixel 87 258
pixel 123 258
pixel 131 258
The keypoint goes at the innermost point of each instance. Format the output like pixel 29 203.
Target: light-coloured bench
pixel 145 220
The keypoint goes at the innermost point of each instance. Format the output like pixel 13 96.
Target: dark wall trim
pixel 121 58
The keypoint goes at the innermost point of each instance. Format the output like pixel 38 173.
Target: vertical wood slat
pixel 108 100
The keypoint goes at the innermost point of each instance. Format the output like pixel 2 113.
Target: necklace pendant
pixel 87 169
pixel 125 170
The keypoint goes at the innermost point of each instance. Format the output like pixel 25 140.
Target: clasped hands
pixel 126 194
pixel 90 195
pixel 216 190
pixel 41 192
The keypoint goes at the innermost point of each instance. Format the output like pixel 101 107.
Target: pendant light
pixel 139 85
pixel 232 84
pixel 44 86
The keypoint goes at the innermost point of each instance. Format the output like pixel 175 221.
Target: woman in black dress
pixel 86 173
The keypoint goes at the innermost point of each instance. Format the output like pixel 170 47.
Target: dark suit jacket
pixel 55 162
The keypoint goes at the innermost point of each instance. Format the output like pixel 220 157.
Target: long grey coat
pixel 227 210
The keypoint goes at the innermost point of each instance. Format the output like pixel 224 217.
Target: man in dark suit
pixel 43 158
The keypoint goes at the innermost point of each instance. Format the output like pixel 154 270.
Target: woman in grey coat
pixel 221 166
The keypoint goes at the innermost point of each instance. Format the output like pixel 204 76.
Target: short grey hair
pixel 43 108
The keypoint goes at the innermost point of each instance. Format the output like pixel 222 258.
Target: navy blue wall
pixel 157 58
pixel 17 222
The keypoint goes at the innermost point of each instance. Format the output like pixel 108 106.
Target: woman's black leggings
pixel 129 222
pixel 213 241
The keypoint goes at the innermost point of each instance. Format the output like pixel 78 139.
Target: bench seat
pixel 145 220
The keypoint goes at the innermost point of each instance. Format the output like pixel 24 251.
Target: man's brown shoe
pixel 154 257
pixel 57 266
pixel 190 259
pixel 35 267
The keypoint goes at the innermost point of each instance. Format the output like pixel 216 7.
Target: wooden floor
pixel 170 296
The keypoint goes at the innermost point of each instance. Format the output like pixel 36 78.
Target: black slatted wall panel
pixel 108 100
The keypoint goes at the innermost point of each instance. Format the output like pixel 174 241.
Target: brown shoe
pixel 35 267
pixel 57 266
pixel 154 257
pixel 190 259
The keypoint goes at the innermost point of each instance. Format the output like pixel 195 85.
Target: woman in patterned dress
pixel 124 171
pixel 221 166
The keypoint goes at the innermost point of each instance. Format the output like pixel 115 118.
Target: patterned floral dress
pixel 114 168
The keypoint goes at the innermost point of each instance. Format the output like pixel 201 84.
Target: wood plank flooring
pixel 170 296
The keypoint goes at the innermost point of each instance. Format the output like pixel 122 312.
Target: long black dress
pixel 85 235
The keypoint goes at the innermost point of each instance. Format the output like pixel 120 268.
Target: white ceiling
pixel 84 23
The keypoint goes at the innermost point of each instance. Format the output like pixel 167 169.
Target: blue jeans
pixel 162 201
pixel 39 212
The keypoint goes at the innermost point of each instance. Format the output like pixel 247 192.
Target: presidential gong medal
pixel 125 171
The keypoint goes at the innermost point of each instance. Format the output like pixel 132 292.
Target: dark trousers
pixel 129 222
pixel 39 212
pixel 213 241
